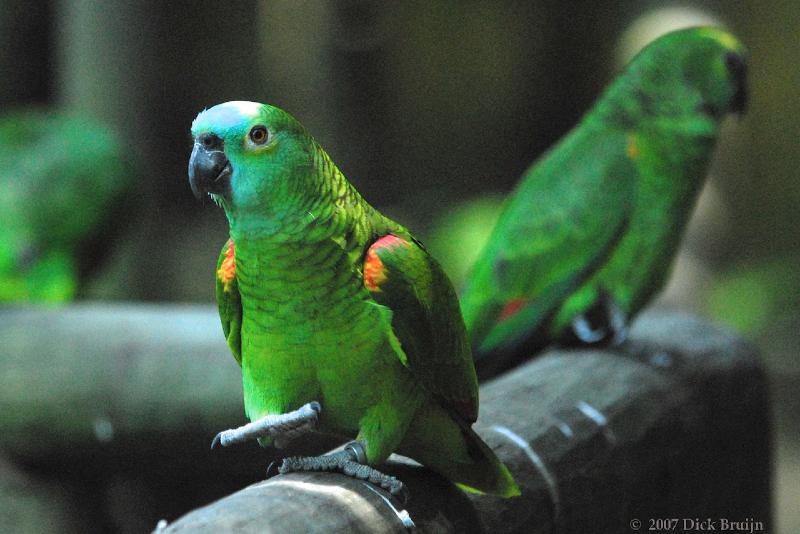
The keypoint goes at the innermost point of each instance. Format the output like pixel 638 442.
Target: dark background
pixel 433 110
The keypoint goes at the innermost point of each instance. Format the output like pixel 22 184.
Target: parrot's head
pixel 253 159
pixel 701 69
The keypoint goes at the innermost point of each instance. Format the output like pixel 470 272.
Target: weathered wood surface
pixel 93 374
pixel 673 426
pixel 121 401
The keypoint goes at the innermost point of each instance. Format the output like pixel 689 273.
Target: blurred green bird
pixel 61 174
pixel 588 236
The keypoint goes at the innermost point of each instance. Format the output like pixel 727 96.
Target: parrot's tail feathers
pixel 469 461
pixel 486 474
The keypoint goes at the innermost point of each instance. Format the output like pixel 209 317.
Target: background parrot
pixel 61 175
pixel 588 236
pixel 328 304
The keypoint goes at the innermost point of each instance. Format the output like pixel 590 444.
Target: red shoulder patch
pixel 511 308
pixel 375 272
pixel 227 269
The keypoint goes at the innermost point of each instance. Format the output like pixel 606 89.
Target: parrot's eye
pixel 259 135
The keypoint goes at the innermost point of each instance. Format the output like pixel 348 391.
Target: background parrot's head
pixel 702 69
pixel 253 159
pixel 66 182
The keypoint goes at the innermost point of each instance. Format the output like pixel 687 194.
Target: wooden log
pixel 96 375
pixel 673 425
pixel 122 400
pixel 137 390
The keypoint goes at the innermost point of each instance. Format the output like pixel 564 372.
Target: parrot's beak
pixel 739 102
pixel 738 71
pixel 209 168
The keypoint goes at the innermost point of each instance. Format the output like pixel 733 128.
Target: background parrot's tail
pixel 451 448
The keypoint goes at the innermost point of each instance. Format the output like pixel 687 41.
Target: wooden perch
pixel 119 403
pixel 95 375
pixel 128 397
pixel 674 425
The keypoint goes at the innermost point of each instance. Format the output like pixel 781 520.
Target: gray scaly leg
pixel 351 462
pixel 281 428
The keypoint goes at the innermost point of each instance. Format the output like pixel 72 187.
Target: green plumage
pixel 389 364
pixel 61 173
pixel 598 219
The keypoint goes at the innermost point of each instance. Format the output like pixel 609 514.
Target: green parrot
pixel 61 174
pixel 588 236
pixel 339 318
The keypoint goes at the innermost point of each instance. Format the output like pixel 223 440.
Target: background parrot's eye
pixel 259 135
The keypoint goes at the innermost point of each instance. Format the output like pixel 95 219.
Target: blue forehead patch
pixel 226 116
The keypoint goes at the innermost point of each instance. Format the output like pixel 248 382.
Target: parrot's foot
pixel 281 428
pixel 618 322
pixel 613 327
pixel 351 462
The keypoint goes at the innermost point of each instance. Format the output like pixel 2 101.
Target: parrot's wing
pixel 555 232
pixel 401 275
pixel 229 301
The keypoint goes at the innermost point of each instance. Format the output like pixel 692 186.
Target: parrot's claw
pixel 273 469
pixel 613 327
pixel 618 323
pixel 583 330
pixel 351 462
pixel 282 428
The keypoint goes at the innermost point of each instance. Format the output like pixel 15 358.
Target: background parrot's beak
pixel 738 70
pixel 209 169
pixel 739 103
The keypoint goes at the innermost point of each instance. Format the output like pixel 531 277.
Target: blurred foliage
pixel 749 297
pixel 63 176
pixel 426 106
pixel 460 233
